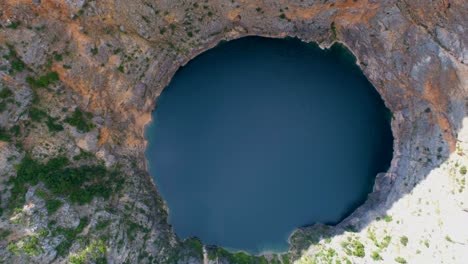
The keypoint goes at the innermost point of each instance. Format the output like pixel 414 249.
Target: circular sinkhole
pixel 259 136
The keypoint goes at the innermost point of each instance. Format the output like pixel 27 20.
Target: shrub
pixel 238 257
pixel 404 240
pixel 333 29
pixel 14 25
pixel 376 256
pixel 354 247
pixel 400 260
pixel 463 170
pixel 58 56
pixel 80 120
pixel 17 65
pixel 388 218
pixel 53 205
pixel 52 126
pixel 385 242
pixel 36 114
pixel 358 249
pixel 43 81
pixel 5 93
pixel 103 224
pixel 4 136
pixel 31 246
pixel 80 184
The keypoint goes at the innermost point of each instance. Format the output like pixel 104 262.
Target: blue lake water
pixel 259 136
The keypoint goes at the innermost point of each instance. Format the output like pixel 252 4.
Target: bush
pixel 17 65
pixel 52 126
pixel 80 120
pixel 238 257
pixel 404 240
pixel 4 136
pixel 463 170
pixel 376 256
pixel 5 93
pixel 400 260
pixel 358 249
pixel 94 51
pixel 14 25
pixel 388 218
pixel 43 81
pixel 53 205
pixel 80 184
pixel 36 114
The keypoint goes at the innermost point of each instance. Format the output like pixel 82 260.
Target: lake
pixel 258 136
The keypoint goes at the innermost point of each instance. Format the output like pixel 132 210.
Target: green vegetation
pixel 4 135
pixel 325 255
pixel 4 234
pixel 103 224
pixel 238 257
pixel 29 245
pixel 52 125
pixel 79 184
pixel 57 56
pixel 43 81
pixel 353 247
pixel 285 258
pixel 84 155
pixel 132 229
pixel 94 51
pixel 194 245
pixel 463 170
pixel 91 254
pixel 5 93
pixel 404 240
pixel 36 114
pixel 80 120
pixel 333 29
pixel 386 241
pixel 16 63
pixel 14 25
pixel 121 68
pixel 400 260
pixel 376 256
pixel 387 218
pixel 53 205
pixel 69 235
pixel 426 243
pixel 282 16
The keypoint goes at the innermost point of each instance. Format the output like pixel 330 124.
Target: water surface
pixel 259 136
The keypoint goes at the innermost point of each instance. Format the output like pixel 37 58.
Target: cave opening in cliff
pixel 259 136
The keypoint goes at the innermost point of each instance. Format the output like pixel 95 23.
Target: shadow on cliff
pixel 420 145
pixel 425 135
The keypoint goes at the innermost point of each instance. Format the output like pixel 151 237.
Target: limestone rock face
pixel 112 59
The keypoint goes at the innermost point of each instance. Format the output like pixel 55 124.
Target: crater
pixel 259 136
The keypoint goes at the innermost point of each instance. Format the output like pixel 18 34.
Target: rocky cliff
pixel 79 79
